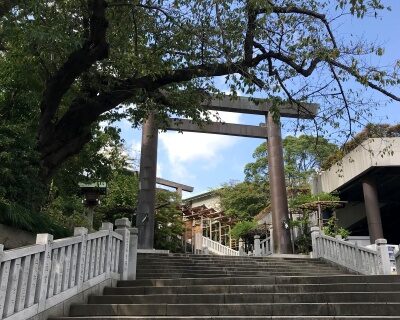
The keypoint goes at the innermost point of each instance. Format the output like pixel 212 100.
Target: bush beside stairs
pixel 179 286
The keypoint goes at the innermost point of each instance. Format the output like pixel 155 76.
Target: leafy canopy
pixel 302 156
pixel 243 200
pixel 80 61
pixel 169 225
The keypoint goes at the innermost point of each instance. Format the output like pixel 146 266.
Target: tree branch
pixel 303 11
pixel 249 39
pixel 363 79
pixel 95 48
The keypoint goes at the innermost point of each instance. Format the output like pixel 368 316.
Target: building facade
pixel 368 179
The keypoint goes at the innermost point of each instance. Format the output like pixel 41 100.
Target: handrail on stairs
pixel 37 277
pixel 217 248
pixel 359 259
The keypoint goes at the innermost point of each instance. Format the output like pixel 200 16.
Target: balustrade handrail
pixel 37 277
pixel 218 248
pixel 266 246
pixel 397 259
pixel 351 256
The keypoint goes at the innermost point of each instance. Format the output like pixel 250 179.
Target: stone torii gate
pixel 272 132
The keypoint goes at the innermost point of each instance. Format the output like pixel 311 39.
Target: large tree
pixel 243 200
pixel 80 60
pixel 302 155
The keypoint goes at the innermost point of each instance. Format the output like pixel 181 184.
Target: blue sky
pixel 206 161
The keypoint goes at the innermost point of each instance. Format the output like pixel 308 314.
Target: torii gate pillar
pixel 147 177
pixel 279 205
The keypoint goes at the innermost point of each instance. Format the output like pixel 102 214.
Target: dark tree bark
pixel 54 146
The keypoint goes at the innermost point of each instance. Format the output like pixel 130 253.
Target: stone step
pixel 266 288
pixel 240 261
pixel 236 271
pixel 205 256
pixel 227 259
pixel 246 261
pixel 178 286
pixel 263 280
pixel 220 257
pixel 278 262
pixel 235 318
pixel 235 267
pixel 244 265
pixel 201 274
pixel 258 309
pixel 248 298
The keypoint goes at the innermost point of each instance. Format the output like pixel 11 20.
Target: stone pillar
pixel 123 226
pixel 271 240
pixel 315 233
pixel 198 242
pixel 241 247
pixel 147 194
pixel 108 226
pixel 179 192
pixel 133 242
pixel 383 256
pixel 44 274
pixel 279 205
pixel 257 248
pixel 372 209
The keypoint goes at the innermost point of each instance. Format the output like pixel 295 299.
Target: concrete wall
pixel 378 152
pixel 13 238
pixel 62 309
pixel 350 214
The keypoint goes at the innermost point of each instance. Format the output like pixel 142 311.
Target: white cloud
pixel 187 147
pixel 136 146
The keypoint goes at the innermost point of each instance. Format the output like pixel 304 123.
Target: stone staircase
pixel 178 286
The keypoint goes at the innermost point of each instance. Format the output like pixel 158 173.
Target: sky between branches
pixel 206 161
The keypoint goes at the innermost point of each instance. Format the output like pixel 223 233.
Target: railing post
pixel 241 247
pixel 257 249
pixel 271 240
pixel 4 272
pixel 109 227
pixel 198 243
pixel 80 273
pixel 205 250
pixel 123 225
pixel 133 244
pixel 359 265
pixel 314 241
pixel 383 256
pixel 47 240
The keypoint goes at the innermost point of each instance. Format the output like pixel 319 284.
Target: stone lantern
pixel 91 197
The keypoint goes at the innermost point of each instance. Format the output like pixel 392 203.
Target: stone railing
pixel 217 248
pixel 263 247
pixel 397 258
pixel 38 277
pixel 351 256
